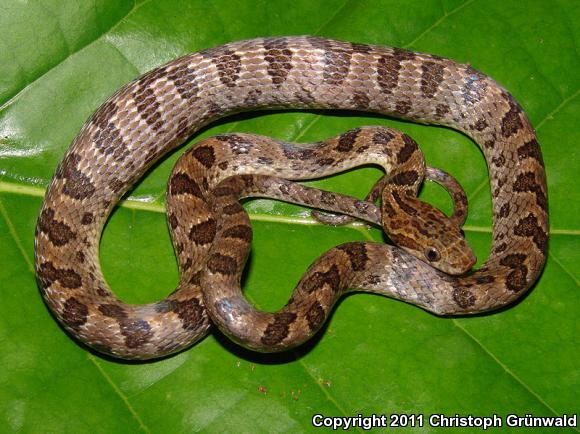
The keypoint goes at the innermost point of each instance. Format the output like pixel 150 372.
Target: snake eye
pixel 432 254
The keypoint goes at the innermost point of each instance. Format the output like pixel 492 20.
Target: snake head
pixel 428 234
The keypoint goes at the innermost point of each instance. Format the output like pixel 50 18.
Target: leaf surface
pixel 62 59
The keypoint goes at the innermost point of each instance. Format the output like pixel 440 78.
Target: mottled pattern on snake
pixel 158 111
pixel 223 227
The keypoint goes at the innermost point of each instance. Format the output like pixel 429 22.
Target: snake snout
pixel 464 261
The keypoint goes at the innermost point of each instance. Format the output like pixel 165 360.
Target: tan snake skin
pixel 159 110
pixel 223 228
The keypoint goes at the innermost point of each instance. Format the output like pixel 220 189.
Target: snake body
pixel 222 232
pixel 159 110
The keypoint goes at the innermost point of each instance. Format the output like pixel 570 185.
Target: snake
pixel 222 225
pixel 158 111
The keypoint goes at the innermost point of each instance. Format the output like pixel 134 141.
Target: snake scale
pixel 159 110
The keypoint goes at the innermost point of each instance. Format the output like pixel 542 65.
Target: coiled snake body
pixel 159 110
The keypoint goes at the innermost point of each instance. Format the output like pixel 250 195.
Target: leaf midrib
pixel 155 207
pixel 14 235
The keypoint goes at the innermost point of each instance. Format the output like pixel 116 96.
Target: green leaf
pixel 61 58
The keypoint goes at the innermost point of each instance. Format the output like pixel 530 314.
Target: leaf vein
pixel 325 392
pixel 15 237
pixel 563 267
pixel 505 367
pixel 438 22
pixel 559 107
pixel 136 204
pixel 120 393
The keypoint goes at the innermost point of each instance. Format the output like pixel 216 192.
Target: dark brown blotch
pixel 504 210
pixel 382 137
pixel 511 122
pixel 113 311
pixel 498 161
pixel 229 65
pixel 405 178
pixel 284 188
pixel 137 332
pixel 336 66
pixel 387 208
pixel 315 316
pixel 109 142
pixel 401 203
pixel 222 264
pixel 172 221
pixel 87 219
pixel 232 209
pixel 431 77
pixel 347 140
pixel 267 161
pixel 204 232
pixel 319 279
pixel 279 59
pixel 205 155
pixel 405 241
pixel 293 153
pixel 464 297
pixel 480 125
pixel 500 248
pixel 74 313
pixel 181 183
pixel 224 190
pixel 526 182
pixel 530 149
pixel 182 129
pixel 389 67
pixel 241 232
pixel 68 278
pixel 103 292
pixel 360 48
pixel 325 161
pixel 482 280
pixel 195 279
pixel 489 144
pixel 529 227
pixel 517 278
pixel 190 312
pixel 357 255
pixel 184 80
pixel 101 117
pixel 187 265
pixel 409 148
pixel 360 101
pixel 150 77
pixel 58 232
pixel 327 197
pixel 116 185
pixel 403 106
pixel 148 106
pixel 441 110
pixel 77 185
pixel 278 330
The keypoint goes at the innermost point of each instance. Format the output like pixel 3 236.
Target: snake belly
pixel 158 111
